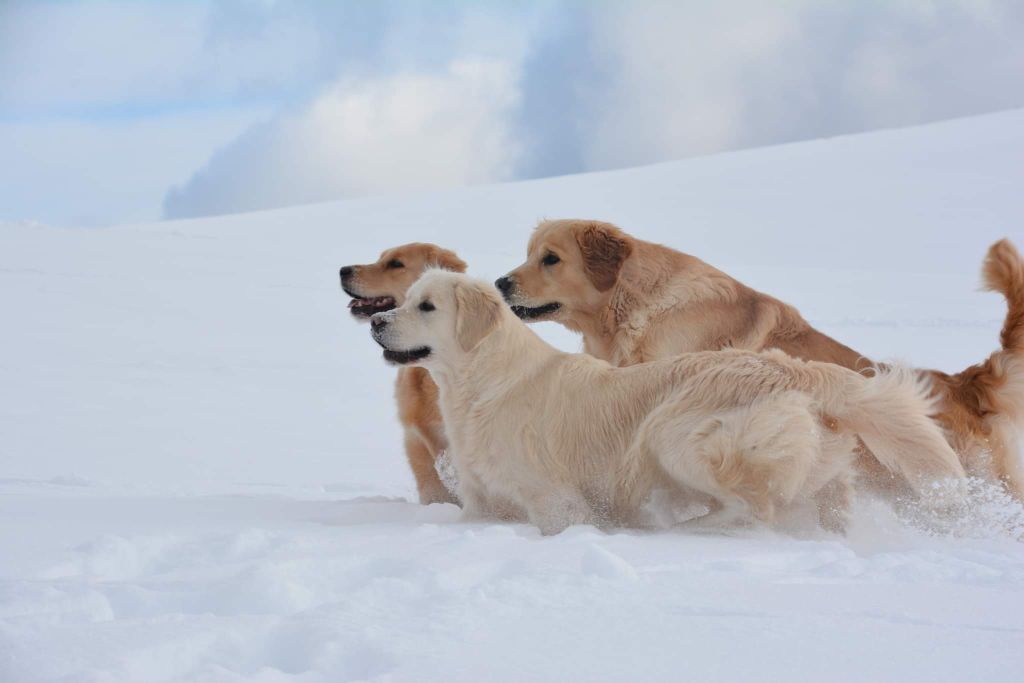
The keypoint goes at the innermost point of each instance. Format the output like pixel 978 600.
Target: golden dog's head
pixel 570 269
pixel 445 316
pixel 381 286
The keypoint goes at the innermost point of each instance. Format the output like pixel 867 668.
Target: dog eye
pixel 426 306
pixel 550 259
pixel 394 263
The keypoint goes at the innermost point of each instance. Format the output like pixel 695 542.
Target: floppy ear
pixel 445 258
pixel 476 314
pixel 604 251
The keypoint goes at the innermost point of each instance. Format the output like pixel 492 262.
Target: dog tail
pixel 890 412
pixel 993 391
pixel 1004 380
pixel 1003 272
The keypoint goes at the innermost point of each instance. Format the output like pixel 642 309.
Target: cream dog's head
pixel 381 286
pixel 570 269
pixel 445 316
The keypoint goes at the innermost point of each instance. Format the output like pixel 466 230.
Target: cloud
pixel 104 56
pixel 695 78
pixel 402 95
pixel 366 136
pixel 611 85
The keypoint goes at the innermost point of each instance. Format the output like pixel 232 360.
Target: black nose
pixel 345 271
pixel 376 322
pixel 504 284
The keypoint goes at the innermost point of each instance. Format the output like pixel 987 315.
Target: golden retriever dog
pixel 635 301
pixel 563 439
pixel 381 286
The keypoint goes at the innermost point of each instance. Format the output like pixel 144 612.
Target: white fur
pixel 562 439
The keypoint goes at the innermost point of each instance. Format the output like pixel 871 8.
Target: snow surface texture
pixel 201 476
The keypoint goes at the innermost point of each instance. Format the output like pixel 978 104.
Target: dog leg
pixel 752 458
pixel 1006 458
pixel 552 514
pixel 478 503
pixel 721 515
pixel 474 502
pixel 472 493
pixel 421 460
pixel 833 501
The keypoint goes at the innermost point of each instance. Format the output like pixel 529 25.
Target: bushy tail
pixel 1003 272
pixel 997 385
pixel 890 412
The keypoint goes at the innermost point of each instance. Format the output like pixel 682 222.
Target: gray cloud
pixel 612 85
pixel 115 55
pixel 379 97
pixel 366 136
pixel 691 79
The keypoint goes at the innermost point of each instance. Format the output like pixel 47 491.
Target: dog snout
pixel 504 285
pixel 377 322
pixel 346 272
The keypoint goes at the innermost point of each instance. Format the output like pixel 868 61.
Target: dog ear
pixel 446 258
pixel 476 314
pixel 604 250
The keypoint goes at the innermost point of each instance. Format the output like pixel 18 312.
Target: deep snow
pixel 201 476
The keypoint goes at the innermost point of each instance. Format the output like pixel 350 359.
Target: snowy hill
pixel 201 473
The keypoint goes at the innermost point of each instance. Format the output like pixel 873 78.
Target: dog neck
pixel 654 280
pixel 512 347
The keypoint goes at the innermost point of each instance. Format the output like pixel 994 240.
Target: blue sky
pixel 114 112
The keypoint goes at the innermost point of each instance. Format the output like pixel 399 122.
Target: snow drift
pixel 201 475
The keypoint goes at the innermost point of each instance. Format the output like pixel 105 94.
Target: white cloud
pixel 107 54
pixel 399 133
pixel 692 78
pixel 676 76
pixel 404 95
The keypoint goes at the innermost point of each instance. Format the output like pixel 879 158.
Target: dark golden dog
pixel 381 286
pixel 635 301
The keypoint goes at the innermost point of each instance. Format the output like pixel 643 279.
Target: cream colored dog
pixel 565 439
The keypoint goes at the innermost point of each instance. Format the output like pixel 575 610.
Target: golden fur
pixel 635 301
pixel 564 439
pixel 415 392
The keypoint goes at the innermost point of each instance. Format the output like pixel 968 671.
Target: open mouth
pixel 403 357
pixel 364 307
pixel 527 313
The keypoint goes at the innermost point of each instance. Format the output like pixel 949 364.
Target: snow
pixel 201 476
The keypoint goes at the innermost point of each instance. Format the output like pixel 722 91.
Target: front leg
pixel 474 500
pixel 833 503
pixel 553 513
pixel 422 457
pixel 479 503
